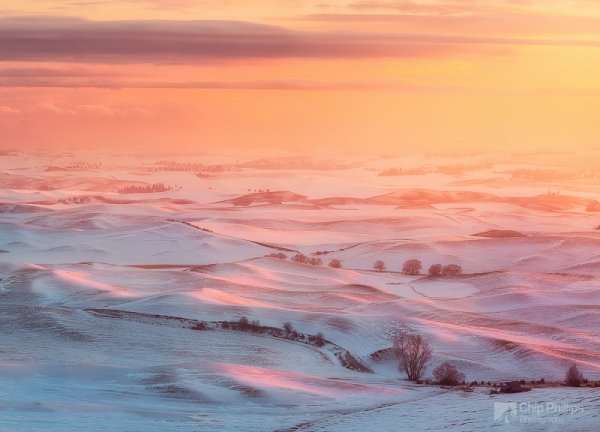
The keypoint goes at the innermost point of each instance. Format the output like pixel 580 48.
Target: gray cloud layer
pixel 76 40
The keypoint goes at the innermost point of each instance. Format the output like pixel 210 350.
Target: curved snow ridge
pixel 217 296
pixel 268 378
pixel 551 348
pixel 83 278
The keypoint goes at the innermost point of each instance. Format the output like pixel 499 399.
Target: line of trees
pixel 304 259
pixel 287 331
pixel 412 267
pixel 414 354
pixel 155 187
pixel 444 270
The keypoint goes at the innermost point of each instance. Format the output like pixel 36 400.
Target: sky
pixel 383 75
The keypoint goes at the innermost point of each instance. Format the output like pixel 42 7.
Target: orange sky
pixel 300 74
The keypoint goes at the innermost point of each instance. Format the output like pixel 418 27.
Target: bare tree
pixel 413 353
pixel 412 267
pixel 452 270
pixel 379 266
pixel 319 339
pixel 435 270
pixel 288 328
pixel 574 377
pixel 254 325
pixel 447 374
pixel 243 323
pixel 335 263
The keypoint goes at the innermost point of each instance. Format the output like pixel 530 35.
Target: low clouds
pixel 60 81
pixel 71 40
pixel 93 110
pixel 483 17
pixel 5 109
pixel 77 40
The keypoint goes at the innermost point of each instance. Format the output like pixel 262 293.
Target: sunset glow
pixel 387 75
pixel 299 215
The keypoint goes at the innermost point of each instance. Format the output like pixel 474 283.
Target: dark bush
pixel 335 263
pixel 315 261
pixel 412 267
pixel 278 255
pixel 319 339
pixel 435 270
pixel 255 326
pixel 379 266
pixel 243 323
pixel 452 270
pixel 574 377
pixel 200 325
pixel 447 374
pixel 300 258
pixel 288 328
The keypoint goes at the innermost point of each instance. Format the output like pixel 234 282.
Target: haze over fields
pixel 103 281
pixel 389 75
pixel 243 215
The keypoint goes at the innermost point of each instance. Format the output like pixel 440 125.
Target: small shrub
pixel 319 339
pixel 243 323
pixel 288 328
pixel 335 263
pixel 315 261
pixel 447 374
pixel 435 270
pixel 278 255
pixel 255 326
pixel 200 325
pixel 300 258
pixel 574 377
pixel 412 267
pixel 379 266
pixel 452 270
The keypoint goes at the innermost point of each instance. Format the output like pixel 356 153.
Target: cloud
pixel 443 8
pixel 32 72
pixel 282 84
pixel 151 4
pixel 94 110
pixel 78 40
pixel 5 109
pixel 481 17
pixel 104 110
pixel 52 39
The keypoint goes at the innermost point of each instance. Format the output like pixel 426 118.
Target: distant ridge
pixel 414 198
pixel 499 234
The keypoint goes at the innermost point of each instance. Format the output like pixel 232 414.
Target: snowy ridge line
pixel 267 245
pixel 345 357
